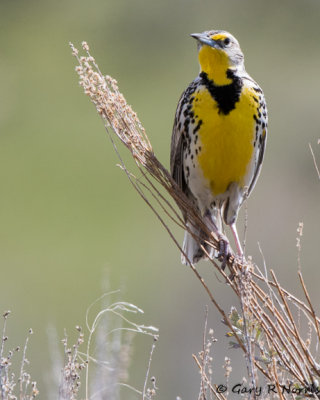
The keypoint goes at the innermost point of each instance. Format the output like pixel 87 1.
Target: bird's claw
pixel 224 252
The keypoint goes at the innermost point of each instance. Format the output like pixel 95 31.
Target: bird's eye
pixel 227 42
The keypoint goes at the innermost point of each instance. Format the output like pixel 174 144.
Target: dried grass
pixel 269 328
pixel 109 361
pixel 103 367
pixel 110 333
pixel 12 386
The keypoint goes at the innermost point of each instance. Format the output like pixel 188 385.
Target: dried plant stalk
pixel 266 329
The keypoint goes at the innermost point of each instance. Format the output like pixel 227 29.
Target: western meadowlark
pixel 218 139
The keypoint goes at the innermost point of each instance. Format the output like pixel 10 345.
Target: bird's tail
pixel 192 251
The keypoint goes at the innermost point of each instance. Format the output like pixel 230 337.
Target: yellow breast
pixel 226 140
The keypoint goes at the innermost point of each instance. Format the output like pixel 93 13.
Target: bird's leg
pixel 236 239
pixel 223 241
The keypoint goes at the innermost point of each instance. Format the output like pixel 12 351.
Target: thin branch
pixel 148 370
pixel 316 322
pixel 314 161
pixel 203 373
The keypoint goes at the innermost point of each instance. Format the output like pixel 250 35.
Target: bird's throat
pixel 215 63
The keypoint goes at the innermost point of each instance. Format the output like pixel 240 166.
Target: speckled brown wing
pixel 176 153
pixel 178 144
pixel 176 159
pixel 259 158
pixel 261 133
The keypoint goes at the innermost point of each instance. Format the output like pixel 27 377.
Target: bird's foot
pixel 224 251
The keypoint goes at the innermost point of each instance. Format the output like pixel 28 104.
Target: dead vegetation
pixel 94 366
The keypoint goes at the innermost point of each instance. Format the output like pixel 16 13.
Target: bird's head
pixel 219 52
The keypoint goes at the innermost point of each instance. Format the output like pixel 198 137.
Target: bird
pixel 218 143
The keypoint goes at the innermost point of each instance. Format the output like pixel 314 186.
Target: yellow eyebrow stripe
pixel 218 36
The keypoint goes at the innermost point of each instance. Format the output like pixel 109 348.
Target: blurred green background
pixel 69 217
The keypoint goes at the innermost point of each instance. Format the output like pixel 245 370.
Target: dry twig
pixel 314 161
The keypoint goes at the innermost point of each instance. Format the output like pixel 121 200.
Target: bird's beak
pixel 204 39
